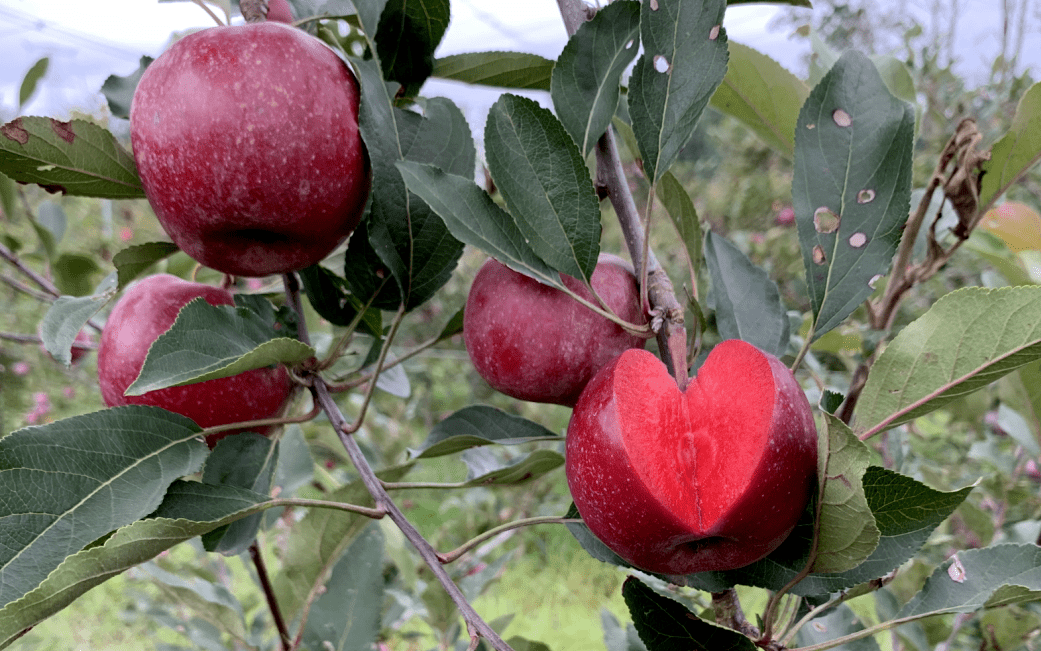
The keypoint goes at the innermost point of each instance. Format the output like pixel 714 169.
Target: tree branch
pixel 269 594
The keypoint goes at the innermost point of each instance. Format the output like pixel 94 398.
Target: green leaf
pixel 979 578
pixel 763 95
pixel 214 341
pixel 126 548
pixel 409 31
pixel 748 304
pixel 74 273
pixel 50 216
pixel 837 623
pixel 968 339
pixel 848 532
pixel 667 625
pixel 8 196
pixel 66 317
pixel 347 615
pixel 330 297
pixel 497 69
pixel 684 61
pixel 132 261
pixel 245 460
pixel 852 185
pixel 75 157
pixel 67 483
pixel 532 466
pixel 31 80
pixel 474 218
pixel 119 91
pixel 479 425
pixel 545 182
pixel 319 540
pixel 585 80
pixel 1016 152
pixel 453 327
pixel 209 601
pixel 677 203
pixel 593 545
pixel 410 240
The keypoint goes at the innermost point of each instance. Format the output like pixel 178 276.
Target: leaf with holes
pixel 684 61
pixel 585 80
pixel 76 157
pixel 968 339
pixel 545 182
pixel 852 186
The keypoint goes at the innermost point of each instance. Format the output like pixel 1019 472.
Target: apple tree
pixel 749 445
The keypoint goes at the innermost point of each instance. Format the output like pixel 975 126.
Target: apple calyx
pixel 711 478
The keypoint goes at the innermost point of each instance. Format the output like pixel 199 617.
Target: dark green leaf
pixel 208 600
pixel 31 80
pixel 51 217
pixel 347 614
pixel 498 69
pixel 852 185
pixel 968 339
pixel 593 545
pixel 245 460
pixel 119 91
pixel 8 195
pixel 545 182
pixel 480 425
pixel 763 95
pixel 667 625
pixel 410 240
pixel 214 341
pixel 75 157
pixel 126 548
pixel 748 304
pixel 75 273
pixel 585 80
pixel 68 483
pixel 409 32
pixel 475 219
pixel 295 467
pixel 453 327
pixel 684 61
pixel 677 203
pixel 330 297
pixel 132 261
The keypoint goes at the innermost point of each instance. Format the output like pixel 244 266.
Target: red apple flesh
pixel 246 140
pixel 713 478
pixel 148 309
pixel 534 342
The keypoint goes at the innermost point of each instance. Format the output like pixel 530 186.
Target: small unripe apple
pixel 712 478
pixel 148 309
pixel 534 342
pixel 246 140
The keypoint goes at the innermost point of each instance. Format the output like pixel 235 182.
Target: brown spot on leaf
pixel 713 33
pixel 64 130
pixel 14 130
pixel 818 255
pixel 857 240
pixel 54 189
pixel 866 196
pixel 825 221
pixel 841 118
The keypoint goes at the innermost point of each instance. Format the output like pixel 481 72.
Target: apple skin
pixel 146 310
pixel 534 342
pixel 246 140
pixel 279 11
pixel 713 478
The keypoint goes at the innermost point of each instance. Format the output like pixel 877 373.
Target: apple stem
pixel 269 595
pixel 212 15
pixel 324 399
pixel 729 613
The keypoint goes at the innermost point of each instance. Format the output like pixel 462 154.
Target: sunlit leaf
pixel 1016 152
pixel 498 69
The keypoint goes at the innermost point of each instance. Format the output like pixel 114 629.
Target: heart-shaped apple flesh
pixel 713 478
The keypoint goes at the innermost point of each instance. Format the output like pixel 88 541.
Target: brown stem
pixel 41 282
pixel 269 594
pixel 728 613
pixel 25 289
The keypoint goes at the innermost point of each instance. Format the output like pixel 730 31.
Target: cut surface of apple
pixel 713 478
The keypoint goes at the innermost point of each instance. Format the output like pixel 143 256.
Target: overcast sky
pixel 88 40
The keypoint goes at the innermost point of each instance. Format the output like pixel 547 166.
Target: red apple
pixel 148 309
pixel 246 139
pixel 713 478
pixel 280 11
pixel 534 342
